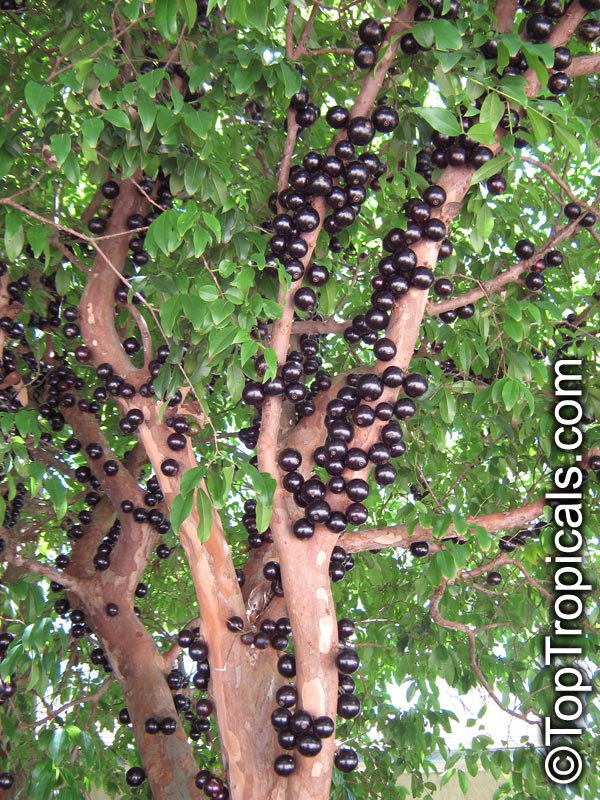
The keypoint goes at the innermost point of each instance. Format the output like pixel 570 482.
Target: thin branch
pixel 558 180
pixel 300 50
pixel 439 619
pixel 73 584
pixel 90 698
pixel 497 283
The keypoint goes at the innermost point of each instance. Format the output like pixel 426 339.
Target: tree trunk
pixel 167 760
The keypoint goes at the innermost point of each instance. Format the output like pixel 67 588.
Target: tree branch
pixel 70 582
pixel 300 50
pixel 497 283
pixel 471 636
pixel 398 535
pixel 505 15
pixel 584 65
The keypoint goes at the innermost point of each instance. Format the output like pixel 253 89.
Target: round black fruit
pixel 562 58
pixel 385 119
pixel 365 56
pixel 348 706
pixel 524 249
pixel 534 281
pixel 419 549
pixel 323 727
pixel 493 579
pixel 558 83
pixel 371 31
pixel 360 131
pixel 346 759
pixel 496 184
pixel 337 117
pixel 347 661
pixel 284 765
pixel 308 745
pixel 135 776
pixel 415 385
pixel 289 459
pixel 539 27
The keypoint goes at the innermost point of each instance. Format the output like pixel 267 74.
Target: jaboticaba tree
pixel 280 291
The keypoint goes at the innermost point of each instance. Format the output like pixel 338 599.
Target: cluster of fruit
pixel 300 731
pixel 8 687
pixel 14 506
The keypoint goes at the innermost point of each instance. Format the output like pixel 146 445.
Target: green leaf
pixel 204 507
pixel 447 35
pixel 292 80
pixel 180 510
pixel 485 222
pixel 147 110
pixel 201 239
pixel 200 122
pixel 271 359
pixel 59 745
pixel 169 313
pixel 190 480
pixel 264 487
pixel 483 133
pixel 91 130
pixel 491 168
pixel 423 33
pixel 71 168
pixel 540 126
pixel 511 391
pixel 38 238
pixel 193 176
pixel 189 11
pixel 14 234
pixel 257 13
pixel 37 96
pixel 61 147
pixel 568 139
pixel 492 110
pixel 58 495
pixel 463 781
pixel 235 382
pixel 448 407
pixel 513 329
pixel 441 119
pixel 117 118
pixel 165 17
pixel 220 310
pixel 213 223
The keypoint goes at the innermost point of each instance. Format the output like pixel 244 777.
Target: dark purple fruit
pixel 493 579
pixel 284 765
pixel 538 27
pixel 419 549
pixel 365 56
pixel 371 31
pixel 534 281
pixel 135 776
pixel 346 759
pixel 347 661
pixel 558 83
pixel 360 131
